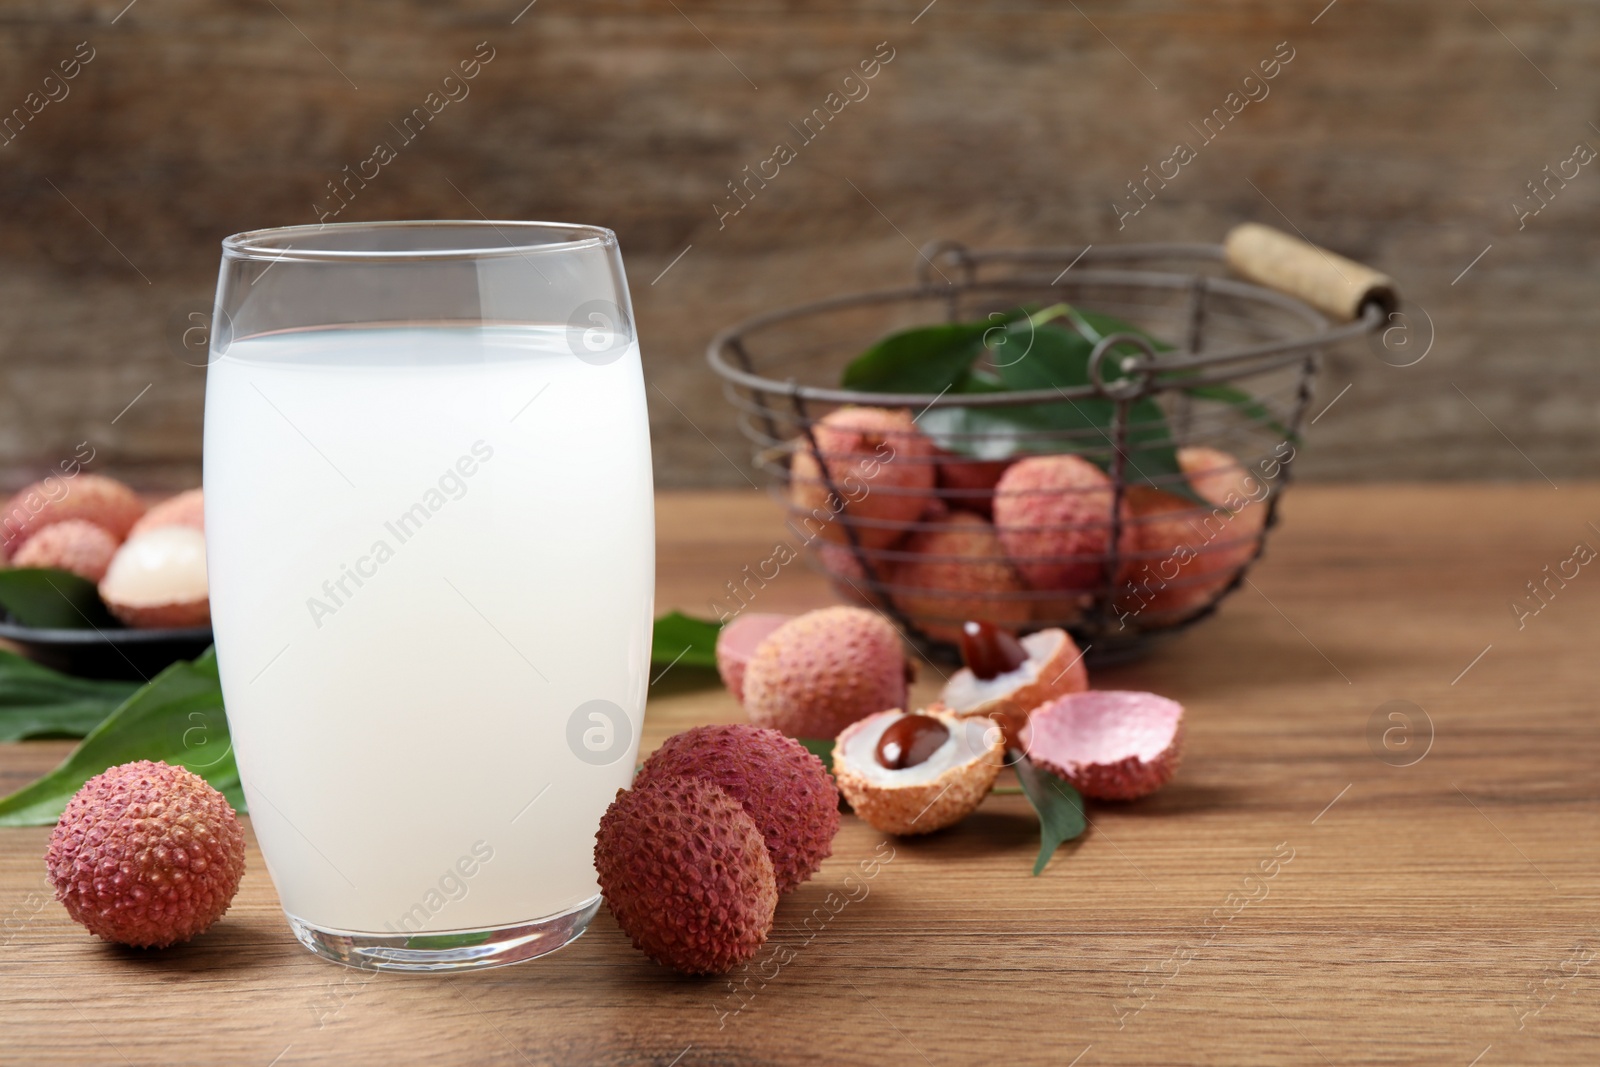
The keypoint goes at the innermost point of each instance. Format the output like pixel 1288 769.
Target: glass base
pixel 449 950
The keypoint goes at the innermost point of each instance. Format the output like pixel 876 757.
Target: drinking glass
pixel 430 540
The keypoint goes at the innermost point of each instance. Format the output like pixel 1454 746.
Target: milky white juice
pixel 431 557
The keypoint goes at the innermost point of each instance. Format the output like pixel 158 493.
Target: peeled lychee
pixel 1110 745
pixel 188 508
pixel 958 572
pixel 784 789
pixel 147 855
pixel 949 780
pixel 816 674
pixel 74 545
pixel 737 641
pixel 686 874
pixel 880 464
pixel 158 579
pixel 1053 515
pixel 94 498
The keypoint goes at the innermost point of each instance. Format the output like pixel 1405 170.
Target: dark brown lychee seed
pixel 910 740
pixel 990 651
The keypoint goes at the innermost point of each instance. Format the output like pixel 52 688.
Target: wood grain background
pixel 1399 134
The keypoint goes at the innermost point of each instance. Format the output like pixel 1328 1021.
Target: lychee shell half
pixel 782 787
pixel 686 875
pixel 94 498
pixel 934 794
pixel 188 508
pixel 1110 744
pixel 881 463
pixel 146 854
pixel 816 674
pixel 958 571
pixel 737 641
pixel 1053 669
pixel 74 545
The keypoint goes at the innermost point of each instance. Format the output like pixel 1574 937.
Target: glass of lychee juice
pixel 430 540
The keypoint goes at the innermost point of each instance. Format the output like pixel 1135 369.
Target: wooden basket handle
pixel 1336 286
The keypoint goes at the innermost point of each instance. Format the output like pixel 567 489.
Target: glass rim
pixel 271 244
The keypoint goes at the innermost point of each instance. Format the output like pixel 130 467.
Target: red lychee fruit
pixel 686 874
pixel 784 789
pixel 94 498
pixel 737 641
pixel 1110 745
pixel 188 508
pixel 1184 556
pixel 969 483
pixel 959 572
pixel 147 855
pixel 1223 480
pixel 815 675
pixel 882 467
pixel 74 545
pixel 1053 515
pixel 848 577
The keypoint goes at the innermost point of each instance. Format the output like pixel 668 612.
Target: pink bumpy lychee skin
pixel 879 461
pixel 188 508
pixel 783 788
pixel 1110 745
pixel 686 875
pixel 819 673
pixel 146 854
pixel 737 641
pixel 1053 515
pixel 95 498
pixel 75 545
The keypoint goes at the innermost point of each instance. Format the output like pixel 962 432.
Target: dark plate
pixel 137 655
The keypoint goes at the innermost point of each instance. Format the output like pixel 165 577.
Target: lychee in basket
pixel 1094 438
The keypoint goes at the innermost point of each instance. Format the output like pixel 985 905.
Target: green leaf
pixel 1059 806
pixel 684 640
pixel 923 359
pixel 36 701
pixel 177 717
pixel 820 747
pixel 53 600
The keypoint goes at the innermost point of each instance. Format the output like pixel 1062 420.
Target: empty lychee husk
pixel 1054 668
pixel 937 792
pixel 737 641
pixel 1109 744
pixel 157 580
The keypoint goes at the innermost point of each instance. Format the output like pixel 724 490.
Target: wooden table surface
pixel 1442 912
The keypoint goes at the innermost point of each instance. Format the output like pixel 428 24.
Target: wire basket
pixel 938 525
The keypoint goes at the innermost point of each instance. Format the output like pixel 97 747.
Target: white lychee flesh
pixel 965 691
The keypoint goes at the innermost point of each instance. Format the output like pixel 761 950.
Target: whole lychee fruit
pixel 1053 515
pixel 783 788
pixel 158 579
pixel 74 545
pixel 188 508
pixel 817 674
pixel 847 576
pixel 881 465
pixel 686 874
pixel 1185 555
pixel 95 498
pixel 1224 481
pixel 147 855
pixel 958 571
pixel 969 483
